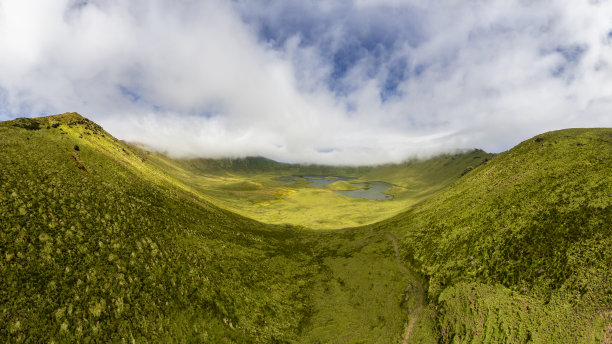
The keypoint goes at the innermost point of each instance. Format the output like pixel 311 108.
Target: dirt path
pixel 416 289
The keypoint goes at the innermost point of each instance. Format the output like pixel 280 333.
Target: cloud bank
pixel 346 82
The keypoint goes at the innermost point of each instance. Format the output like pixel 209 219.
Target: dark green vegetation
pixel 519 249
pixel 94 250
pixel 103 241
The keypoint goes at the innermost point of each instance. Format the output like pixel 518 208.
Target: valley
pixel 317 197
pixel 105 241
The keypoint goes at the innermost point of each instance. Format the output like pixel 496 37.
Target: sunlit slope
pixel 519 249
pixel 251 187
pixel 97 246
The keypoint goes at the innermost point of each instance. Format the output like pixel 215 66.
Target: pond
pixel 368 190
pixel 374 191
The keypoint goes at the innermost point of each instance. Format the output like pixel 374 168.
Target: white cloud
pixel 206 78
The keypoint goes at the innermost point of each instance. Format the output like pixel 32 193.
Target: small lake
pixel 375 191
pixel 369 190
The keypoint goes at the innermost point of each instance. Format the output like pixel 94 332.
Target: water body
pixel 369 190
pixel 375 191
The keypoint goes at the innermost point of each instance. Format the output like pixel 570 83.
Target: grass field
pixel 251 187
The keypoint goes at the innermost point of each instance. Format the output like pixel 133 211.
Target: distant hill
pixel 248 164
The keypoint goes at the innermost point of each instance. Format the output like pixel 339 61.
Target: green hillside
pixel 224 166
pixel 518 249
pixel 422 178
pixel 96 247
pixel 101 241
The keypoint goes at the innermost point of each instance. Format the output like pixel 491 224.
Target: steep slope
pixel 423 177
pixel 518 249
pixel 97 246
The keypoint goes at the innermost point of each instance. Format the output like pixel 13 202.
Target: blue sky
pixel 336 82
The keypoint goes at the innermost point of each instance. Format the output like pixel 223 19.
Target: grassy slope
pixel 518 249
pixel 424 177
pixel 96 245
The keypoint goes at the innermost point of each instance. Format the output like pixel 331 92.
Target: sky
pixel 333 82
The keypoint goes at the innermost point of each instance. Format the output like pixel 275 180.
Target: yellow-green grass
pixel 342 185
pixel 243 186
pixel 360 292
pixel 298 205
pixel 254 192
